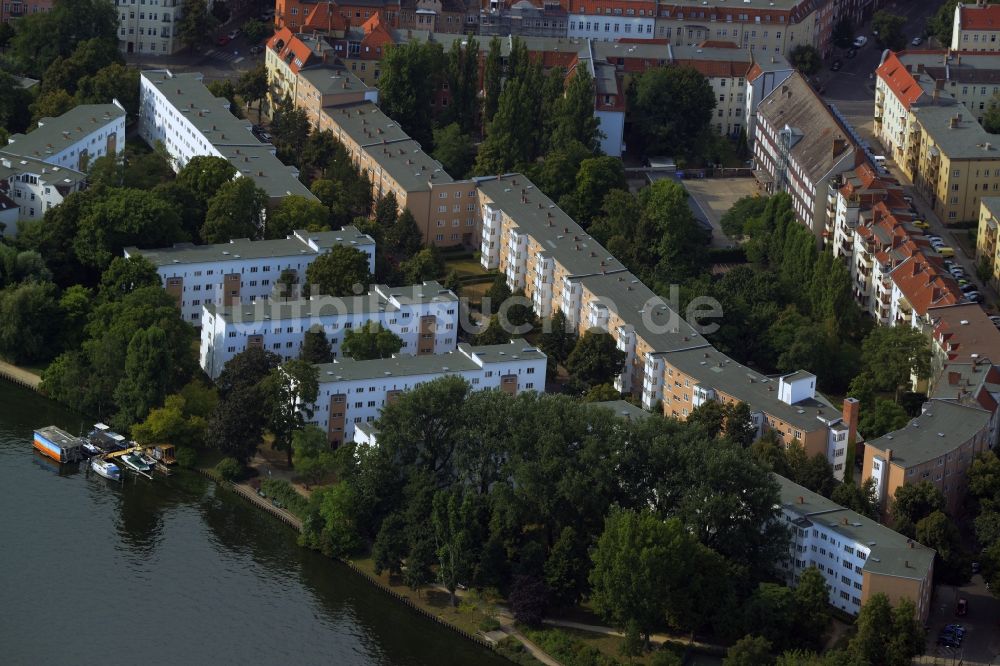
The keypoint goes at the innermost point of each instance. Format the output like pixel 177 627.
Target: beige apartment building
pixel 976 26
pixel 938 446
pixel 986 237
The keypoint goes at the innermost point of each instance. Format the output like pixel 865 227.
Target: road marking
pixel 240 59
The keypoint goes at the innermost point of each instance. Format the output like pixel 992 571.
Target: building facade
pixel 149 28
pixel 858 557
pixel 424 316
pixel 352 392
pixel 179 111
pixel 938 447
pixel 243 271
pixel 976 27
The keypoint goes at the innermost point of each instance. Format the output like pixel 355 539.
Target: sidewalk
pixel 19 375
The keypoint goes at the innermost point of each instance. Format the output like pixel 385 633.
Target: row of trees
pixel 984 500
pixel 463 483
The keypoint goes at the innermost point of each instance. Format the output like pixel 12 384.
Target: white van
pixel 879 159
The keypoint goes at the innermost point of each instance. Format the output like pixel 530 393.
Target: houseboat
pixel 107 440
pixel 58 445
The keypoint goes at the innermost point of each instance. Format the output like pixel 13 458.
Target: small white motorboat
pixel 133 461
pixel 106 468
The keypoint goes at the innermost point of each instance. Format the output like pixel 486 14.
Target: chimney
pixel 851 412
pixel 920 68
pixel 953 378
pixel 888 455
pixel 802 500
pixel 839 145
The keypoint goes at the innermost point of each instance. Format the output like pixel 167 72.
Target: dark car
pixel 222 40
pixel 962 608
pixel 836 65
pixel 851 53
pixel 254 50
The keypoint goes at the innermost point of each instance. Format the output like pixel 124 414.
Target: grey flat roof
pixel 347 369
pixel 942 427
pixel 624 409
pixel 228 134
pixel 662 328
pixel 559 235
pixel 54 135
pixel 992 205
pixel 968 140
pixel 392 148
pixel 892 554
pixel 56 175
pixel 328 80
pixel 713 369
pixel 243 248
pixel 956 68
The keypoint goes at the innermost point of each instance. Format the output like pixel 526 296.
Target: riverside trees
pixel 517 489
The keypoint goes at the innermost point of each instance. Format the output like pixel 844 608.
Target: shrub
pixel 569 650
pixel 489 624
pixel 283 491
pixel 186 457
pixel 229 469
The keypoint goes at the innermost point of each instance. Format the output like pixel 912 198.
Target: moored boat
pixel 58 444
pixel 106 468
pixel 134 461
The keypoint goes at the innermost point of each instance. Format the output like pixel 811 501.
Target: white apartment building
pixel 353 393
pixel 179 111
pixel 40 169
pixel 149 26
pixel 766 73
pixel 425 316
pixel 620 20
pixel 799 148
pixel 857 556
pixel 242 271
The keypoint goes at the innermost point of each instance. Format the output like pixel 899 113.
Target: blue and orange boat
pixel 59 445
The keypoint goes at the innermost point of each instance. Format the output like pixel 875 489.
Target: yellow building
pixel 986 238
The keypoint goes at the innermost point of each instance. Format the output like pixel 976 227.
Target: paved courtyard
pixel 982 624
pixel 712 197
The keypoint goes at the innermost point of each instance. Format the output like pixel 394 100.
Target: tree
pixel 40 38
pixel 454 150
pixel 410 75
pixel 892 354
pixel 312 455
pixel 235 211
pixel 390 546
pixel 125 275
pixel 296 212
pixel 370 341
pixel 196 25
pixel 463 83
pixel 939 532
pixel 418 563
pixel 812 608
pixel 386 211
pixel 290 394
pixel 857 498
pixel 749 651
pixel 492 80
pixel 734 220
pixel 146 379
pixel 597 176
pixel 252 86
pixel 496 295
pixel 912 502
pixel 51 104
pixel 528 599
pixel 426 264
pixel 672 109
pixel 574 118
pixel 256 30
pixel 450 519
pixel 595 358
pixel 29 322
pixel 887 636
pixel 494 333
pixel 566 568
pixel 204 176
pixel 558 340
pixel 991 119
pixel 886 417
pixel 339 272
pixel 771 613
pixel 123 217
pixel 289 132
pixel 246 370
pixel 116 81
pixel 315 347
pixel 888 29
pixel 173 423
pixel 406 238
pixel 806 58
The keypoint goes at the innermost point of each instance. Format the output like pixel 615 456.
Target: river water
pixel 173 571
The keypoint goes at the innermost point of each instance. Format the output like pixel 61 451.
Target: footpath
pixel 19 376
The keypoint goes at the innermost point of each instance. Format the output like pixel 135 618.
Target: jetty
pixel 19 376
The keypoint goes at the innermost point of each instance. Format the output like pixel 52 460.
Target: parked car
pixel 265 137
pixel 254 50
pixel 860 41
pixel 907 198
pixel 968 288
pixel 851 53
pixel 268 15
pixel 975 565
pixel 957 271
pixel 996 322
pixel 973 297
pixel 917 41
pixel 946 251
pixel 222 40
pixel 836 65
pixel 920 224
pixel 948 264
pixel 962 608
pixel 234 34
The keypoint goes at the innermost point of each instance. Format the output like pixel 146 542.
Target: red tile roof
pixel 963 330
pixel 925 286
pixel 291 49
pixel 900 81
pixel 981 18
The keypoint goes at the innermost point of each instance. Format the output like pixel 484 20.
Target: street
pixel 981 644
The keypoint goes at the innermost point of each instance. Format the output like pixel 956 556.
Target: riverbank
pixel 20 376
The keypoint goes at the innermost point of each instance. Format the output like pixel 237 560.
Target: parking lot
pixel 712 197
pixel 981 643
